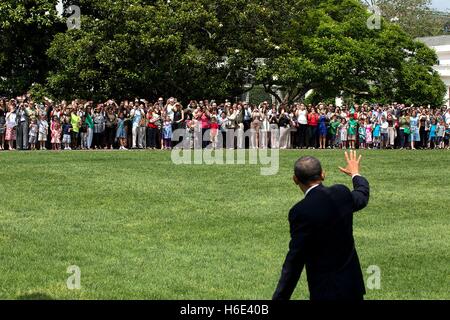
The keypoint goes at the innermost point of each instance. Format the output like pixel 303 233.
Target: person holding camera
pixel 22 126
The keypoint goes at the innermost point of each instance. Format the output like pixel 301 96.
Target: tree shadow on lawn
pixel 35 296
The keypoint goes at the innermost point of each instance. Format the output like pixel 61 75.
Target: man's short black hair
pixel 308 169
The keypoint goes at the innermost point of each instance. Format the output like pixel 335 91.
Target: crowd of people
pixel 140 124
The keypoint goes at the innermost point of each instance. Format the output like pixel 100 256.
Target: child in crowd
pixel 323 131
pixel 198 137
pixel 376 135
pixel 84 133
pixel 369 128
pixel 343 129
pixel 56 133
pixel 188 141
pixel 384 126
pixel 440 134
pixel 352 130
pixel 333 131
pixel 432 135
pixel 33 133
pixel 167 133
pixel 2 128
pixel 66 130
pixel 10 135
pixel 43 132
pixel 362 135
pixel 214 132
pixel 447 138
pixel 337 140
pixel 121 134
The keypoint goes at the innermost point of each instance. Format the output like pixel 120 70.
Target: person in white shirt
pixel 302 120
pixel 265 129
pixel 137 113
pixel 169 108
pixel 43 132
pixel 11 126
pixel 384 132
pixel 447 117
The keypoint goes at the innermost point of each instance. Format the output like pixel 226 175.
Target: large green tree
pixel 329 47
pixel 404 70
pixel 27 28
pixel 416 17
pixel 205 48
pixel 150 48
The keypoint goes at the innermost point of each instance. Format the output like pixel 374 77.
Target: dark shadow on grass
pixel 35 296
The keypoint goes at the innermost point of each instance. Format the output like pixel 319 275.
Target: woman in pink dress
pixel 56 133
pixel 369 130
pixel 11 124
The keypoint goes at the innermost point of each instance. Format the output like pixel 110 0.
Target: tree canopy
pixel 416 17
pixel 212 49
pixel 27 29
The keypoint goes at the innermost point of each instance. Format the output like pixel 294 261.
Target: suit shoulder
pixel 297 207
pixel 297 210
pixel 339 188
pixel 340 192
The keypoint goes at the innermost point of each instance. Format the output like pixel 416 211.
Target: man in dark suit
pixel 321 227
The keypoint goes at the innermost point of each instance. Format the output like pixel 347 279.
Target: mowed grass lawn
pixel 140 227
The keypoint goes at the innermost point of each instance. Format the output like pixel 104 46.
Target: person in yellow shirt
pixel 75 121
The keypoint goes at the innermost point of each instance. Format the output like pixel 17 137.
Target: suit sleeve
pixel 360 193
pixel 295 261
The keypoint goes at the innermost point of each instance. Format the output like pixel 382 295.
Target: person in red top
pixel 214 132
pixel 205 124
pixel 205 120
pixel 152 129
pixel 313 122
pixel 356 112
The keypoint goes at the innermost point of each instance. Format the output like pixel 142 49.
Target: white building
pixel 442 46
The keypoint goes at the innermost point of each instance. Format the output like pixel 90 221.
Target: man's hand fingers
pixel 344 170
pixel 346 157
pixel 359 159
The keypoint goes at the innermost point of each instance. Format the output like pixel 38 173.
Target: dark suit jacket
pixel 321 227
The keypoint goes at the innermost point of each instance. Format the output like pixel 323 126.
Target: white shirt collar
pixel 309 190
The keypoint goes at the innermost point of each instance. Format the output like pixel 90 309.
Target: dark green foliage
pixel 212 49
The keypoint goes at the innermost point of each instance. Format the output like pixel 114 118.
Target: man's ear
pixel 323 176
pixel 296 180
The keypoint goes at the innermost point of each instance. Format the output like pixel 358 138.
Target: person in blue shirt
pixel 376 135
pixel 136 115
pixel 432 135
pixel 167 133
pixel 447 138
pixel 67 130
pixel 415 129
pixel 121 134
pixel 323 130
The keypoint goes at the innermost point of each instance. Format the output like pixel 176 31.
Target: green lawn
pixel 140 227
